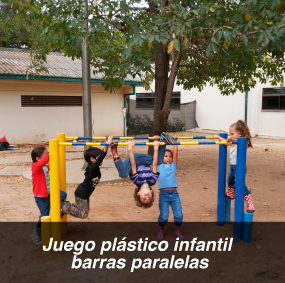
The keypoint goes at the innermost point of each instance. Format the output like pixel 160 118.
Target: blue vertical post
pixel 247 227
pixel 228 210
pixel 222 182
pixel 239 189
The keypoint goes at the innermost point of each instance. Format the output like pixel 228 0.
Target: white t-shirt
pixel 233 155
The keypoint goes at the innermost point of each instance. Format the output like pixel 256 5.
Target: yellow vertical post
pixel 46 231
pixel 62 176
pixel 54 190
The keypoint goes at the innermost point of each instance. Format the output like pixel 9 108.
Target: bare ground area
pixel 197 176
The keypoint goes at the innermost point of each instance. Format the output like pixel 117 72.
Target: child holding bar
pixel 94 157
pixel 168 195
pixel 238 129
pixel 137 166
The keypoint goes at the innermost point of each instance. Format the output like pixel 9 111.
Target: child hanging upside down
pixel 94 157
pixel 137 165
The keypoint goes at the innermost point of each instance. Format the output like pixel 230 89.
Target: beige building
pixel 34 111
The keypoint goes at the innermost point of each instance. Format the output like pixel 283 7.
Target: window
pixel 50 101
pixel 273 98
pixel 146 100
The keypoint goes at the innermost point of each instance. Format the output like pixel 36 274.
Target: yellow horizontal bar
pixel 71 138
pixel 223 143
pixel 65 143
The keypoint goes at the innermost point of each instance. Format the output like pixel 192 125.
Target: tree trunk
pixel 161 82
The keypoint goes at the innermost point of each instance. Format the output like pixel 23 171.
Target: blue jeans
pixel 124 167
pixel 166 198
pixel 232 179
pixel 44 207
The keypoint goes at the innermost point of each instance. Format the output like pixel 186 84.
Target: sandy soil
pixel 197 177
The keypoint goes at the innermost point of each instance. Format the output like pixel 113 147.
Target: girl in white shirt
pixel 238 129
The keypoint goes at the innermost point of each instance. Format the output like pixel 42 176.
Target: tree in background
pixel 228 43
pixel 16 31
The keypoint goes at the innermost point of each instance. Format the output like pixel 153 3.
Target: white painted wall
pixel 264 123
pixel 217 112
pixel 39 124
pixel 213 110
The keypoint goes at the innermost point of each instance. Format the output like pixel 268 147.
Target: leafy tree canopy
pixel 223 42
pixel 227 43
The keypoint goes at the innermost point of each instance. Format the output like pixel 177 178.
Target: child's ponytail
pixel 242 127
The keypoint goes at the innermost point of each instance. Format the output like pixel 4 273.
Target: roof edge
pixel 54 78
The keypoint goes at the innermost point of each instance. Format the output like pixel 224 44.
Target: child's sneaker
pixel 230 193
pixel 167 137
pixel 250 207
pixel 178 234
pixel 36 239
pixel 62 206
pixel 115 153
pixel 160 232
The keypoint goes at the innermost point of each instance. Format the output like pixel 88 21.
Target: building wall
pixel 213 110
pixel 261 122
pixel 39 124
pixel 217 112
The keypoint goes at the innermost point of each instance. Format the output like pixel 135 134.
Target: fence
pixel 140 117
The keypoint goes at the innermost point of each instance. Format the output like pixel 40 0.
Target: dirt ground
pixel 197 176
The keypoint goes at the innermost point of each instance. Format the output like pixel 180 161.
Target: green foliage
pixel 229 43
pixel 18 30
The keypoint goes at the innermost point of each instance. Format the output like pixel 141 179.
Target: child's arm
pixel 102 155
pixel 40 164
pixel 175 152
pixel 131 145
pixel 155 156
pixel 229 139
pixel 109 141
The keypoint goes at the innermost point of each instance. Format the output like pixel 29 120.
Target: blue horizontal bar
pixel 199 138
pixel 84 138
pixel 207 142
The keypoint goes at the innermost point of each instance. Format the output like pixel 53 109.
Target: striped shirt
pixel 144 174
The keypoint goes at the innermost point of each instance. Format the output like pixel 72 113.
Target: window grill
pixel 50 101
pixel 273 98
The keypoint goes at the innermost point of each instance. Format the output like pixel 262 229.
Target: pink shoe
pixel 249 203
pixel 230 193
pixel 178 234
pixel 160 232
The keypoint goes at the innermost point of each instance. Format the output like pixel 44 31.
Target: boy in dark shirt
pixel 94 157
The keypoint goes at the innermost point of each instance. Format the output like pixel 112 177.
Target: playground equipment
pixel 137 138
pixel 242 220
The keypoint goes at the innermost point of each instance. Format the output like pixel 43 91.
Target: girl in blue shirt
pixel 168 195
